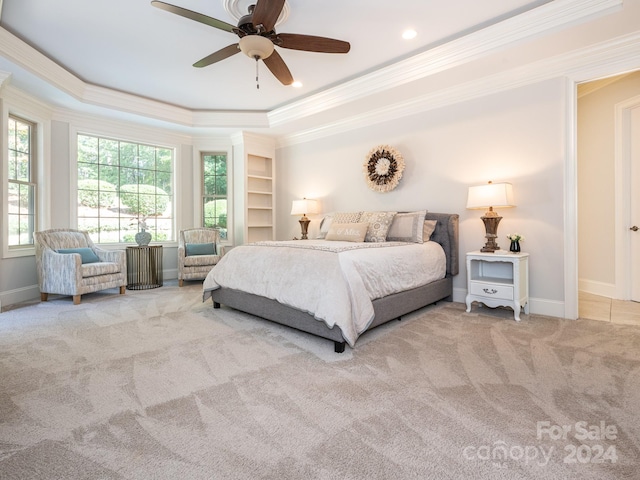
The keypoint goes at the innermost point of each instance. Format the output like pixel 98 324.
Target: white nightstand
pixel 499 279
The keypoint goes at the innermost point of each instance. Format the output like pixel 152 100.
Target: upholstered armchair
pixel 198 252
pixel 69 263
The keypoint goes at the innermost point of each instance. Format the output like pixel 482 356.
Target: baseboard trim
pixel 23 294
pixel 597 288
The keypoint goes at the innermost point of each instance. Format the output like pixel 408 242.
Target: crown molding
pixel 35 62
pixel 125 102
pixel 475 45
pixel 99 124
pixel 552 15
pixel 5 78
pixel 30 59
pixel 19 98
pixel 615 56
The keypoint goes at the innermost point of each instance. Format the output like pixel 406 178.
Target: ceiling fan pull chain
pixel 257 81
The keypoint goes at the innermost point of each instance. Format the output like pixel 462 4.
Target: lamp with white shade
pixel 486 197
pixel 302 207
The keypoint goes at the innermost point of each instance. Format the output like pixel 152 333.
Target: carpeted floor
pixel 158 385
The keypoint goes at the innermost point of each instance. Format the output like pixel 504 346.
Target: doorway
pixel 608 147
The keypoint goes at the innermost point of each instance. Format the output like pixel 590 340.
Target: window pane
pixel 108 152
pixel 214 188
pixel 110 174
pixel 90 225
pixel 21 219
pixel 128 155
pixel 87 149
pixel 128 176
pixel 14 229
pixel 221 185
pixel 21 191
pixel 11 137
pixel 13 165
pixel 147 157
pixel 22 167
pixel 163 181
pixel 87 171
pixel 122 191
pixel 23 137
pixel 13 191
pixel 164 160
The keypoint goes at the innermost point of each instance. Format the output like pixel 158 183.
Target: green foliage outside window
pixel 121 183
pixel 144 200
pixel 214 177
pixel 96 193
pixel 21 188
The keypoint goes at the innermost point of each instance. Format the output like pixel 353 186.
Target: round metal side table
pixel 144 267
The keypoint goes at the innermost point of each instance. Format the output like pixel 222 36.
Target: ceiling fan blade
pixel 198 17
pixel 221 54
pixel 266 13
pixel 279 69
pixel 310 43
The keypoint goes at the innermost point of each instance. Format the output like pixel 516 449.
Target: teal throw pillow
pixel 86 254
pixel 200 249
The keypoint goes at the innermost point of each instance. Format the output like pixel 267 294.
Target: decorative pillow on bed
pixel 379 223
pixel 347 217
pixel 200 249
pixel 347 232
pixel 325 223
pixel 407 227
pixel 86 254
pixel 428 228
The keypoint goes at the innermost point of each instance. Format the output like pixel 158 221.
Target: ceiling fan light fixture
pixel 256 46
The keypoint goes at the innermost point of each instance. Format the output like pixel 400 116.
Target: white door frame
pixel 608 65
pixel 571 201
pixel 623 195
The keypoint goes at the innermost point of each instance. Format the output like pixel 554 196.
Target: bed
pixel 331 289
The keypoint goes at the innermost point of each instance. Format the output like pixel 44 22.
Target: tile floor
pixel 595 307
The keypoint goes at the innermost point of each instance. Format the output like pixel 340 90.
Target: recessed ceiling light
pixel 409 34
pixel 296 84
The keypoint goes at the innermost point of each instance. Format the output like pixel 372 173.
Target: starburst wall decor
pixel 383 168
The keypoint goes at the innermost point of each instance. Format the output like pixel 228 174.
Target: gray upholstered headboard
pixel 446 234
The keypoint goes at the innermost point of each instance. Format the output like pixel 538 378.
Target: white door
pixel 634 228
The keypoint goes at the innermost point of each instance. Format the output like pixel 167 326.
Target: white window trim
pixel 124 135
pixel 200 148
pixel 37 115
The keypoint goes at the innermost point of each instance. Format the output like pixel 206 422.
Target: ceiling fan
pixel 258 37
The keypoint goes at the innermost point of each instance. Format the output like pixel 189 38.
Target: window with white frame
pixel 21 185
pixel 123 188
pixel 214 191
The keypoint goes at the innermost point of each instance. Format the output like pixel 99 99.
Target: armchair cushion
pixel 86 254
pixel 200 249
pixel 96 269
pixel 201 260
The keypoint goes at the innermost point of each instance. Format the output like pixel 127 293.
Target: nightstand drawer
pixel 492 290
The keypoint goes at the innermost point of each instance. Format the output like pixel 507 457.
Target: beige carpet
pixel 157 385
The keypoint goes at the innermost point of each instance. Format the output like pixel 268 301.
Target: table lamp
pixel 302 207
pixel 489 196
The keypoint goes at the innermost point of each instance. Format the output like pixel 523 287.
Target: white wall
pixel 514 136
pixel 596 184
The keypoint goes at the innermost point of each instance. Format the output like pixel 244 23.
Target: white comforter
pixel 334 281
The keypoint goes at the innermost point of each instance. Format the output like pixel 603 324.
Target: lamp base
pixel 491 228
pixel 304 226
